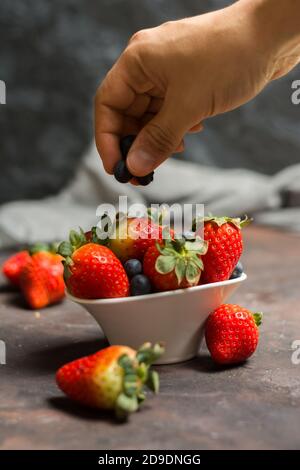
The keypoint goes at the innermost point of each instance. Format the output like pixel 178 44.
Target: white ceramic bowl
pixel 175 317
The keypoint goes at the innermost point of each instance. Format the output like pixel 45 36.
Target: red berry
pixel 133 237
pixel 225 246
pixel 94 272
pixel 41 280
pixel 174 264
pixel 113 378
pixel 13 266
pixel 232 334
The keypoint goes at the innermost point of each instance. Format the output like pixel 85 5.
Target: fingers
pixel 126 103
pixel 160 137
pixel 112 98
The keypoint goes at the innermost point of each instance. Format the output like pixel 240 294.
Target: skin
pixel 169 79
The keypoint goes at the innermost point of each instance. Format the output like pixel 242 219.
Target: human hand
pixel 171 78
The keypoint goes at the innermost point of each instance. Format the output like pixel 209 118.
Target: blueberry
pixel 238 271
pixel 125 144
pixel 140 285
pixel 121 172
pixel 133 267
pixel 145 180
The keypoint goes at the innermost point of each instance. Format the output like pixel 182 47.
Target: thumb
pixel 156 142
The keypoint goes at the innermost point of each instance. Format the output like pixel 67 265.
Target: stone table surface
pixel 200 406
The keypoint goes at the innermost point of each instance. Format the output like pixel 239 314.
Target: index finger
pixel 112 99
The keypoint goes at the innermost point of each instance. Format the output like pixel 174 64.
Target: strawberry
pixel 174 264
pixel 130 237
pixel 13 266
pixel 92 271
pixel 133 236
pixel 113 378
pixel 232 333
pixel 41 279
pixel 225 246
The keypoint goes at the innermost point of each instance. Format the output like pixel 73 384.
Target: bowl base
pixel 174 360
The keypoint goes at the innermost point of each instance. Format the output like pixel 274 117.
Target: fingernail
pixel 140 163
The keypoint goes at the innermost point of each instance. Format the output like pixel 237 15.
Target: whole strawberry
pixel 133 236
pixel 225 246
pixel 113 378
pixel 130 237
pixel 174 264
pixel 92 271
pixel 232 333
pixel 13 266
pixel 41 279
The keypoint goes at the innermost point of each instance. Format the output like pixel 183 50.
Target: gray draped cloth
pixel 272 200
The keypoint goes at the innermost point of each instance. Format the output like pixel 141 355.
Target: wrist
pixel 275 28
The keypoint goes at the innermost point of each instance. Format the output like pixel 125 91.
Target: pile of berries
pixel 38 274
pixel 140 256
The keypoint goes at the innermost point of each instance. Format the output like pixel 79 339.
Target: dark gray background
pixel 52 56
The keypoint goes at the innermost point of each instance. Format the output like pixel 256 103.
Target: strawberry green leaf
pixel 141 397
pixel 65 249
pixel 192 273
pixel 126 363
pixel 178 244
pixel 238 222
pixel 37 247
pixel 200 246
pixel 165 264
pixel 197 261
pixel 130 385
pixel 136 377
pixel 74 238
pixel 142 371
pixel 180 269
pixel 153 381
pixel 67 272
pixel 125 404
pixel 148 354
pixel 258 316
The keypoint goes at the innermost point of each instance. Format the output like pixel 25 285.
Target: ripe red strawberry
pixel 232 333
pixel 174 264
pixel 92 271
pixel 41 280
pixel 225 246
pixel 13 266
pixel 130 237
pixel 133 237
pixel 113 378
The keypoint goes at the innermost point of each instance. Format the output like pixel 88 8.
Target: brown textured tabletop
pixel 200 406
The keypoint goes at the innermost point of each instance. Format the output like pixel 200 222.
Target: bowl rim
pixel 138 298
